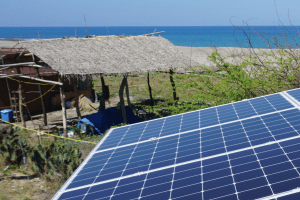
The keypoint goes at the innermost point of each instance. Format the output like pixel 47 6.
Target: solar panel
pixel 244 150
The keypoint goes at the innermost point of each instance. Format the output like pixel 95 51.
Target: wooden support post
pixel 150 92
pixel 121 91
pixel 63 105
pixel 20 99
pixel 76 99
pixel 39 135
pixel 102 100
pixel 127 93
pixel 42 99
pixel 173 86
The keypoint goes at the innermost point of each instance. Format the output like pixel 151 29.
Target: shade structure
pixel 243 150
pixel 109 54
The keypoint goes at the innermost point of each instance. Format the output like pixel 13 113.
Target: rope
pixel 47 133
pixel 31 82
pixel 33 99
pixel 24 157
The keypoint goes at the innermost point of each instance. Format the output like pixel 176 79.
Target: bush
pixel 56 159
pixel 10 147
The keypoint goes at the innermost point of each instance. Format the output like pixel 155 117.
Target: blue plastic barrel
pixel 7 115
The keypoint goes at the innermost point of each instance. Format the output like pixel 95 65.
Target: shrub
pixel 56 159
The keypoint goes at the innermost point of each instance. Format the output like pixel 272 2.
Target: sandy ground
pixel 8 43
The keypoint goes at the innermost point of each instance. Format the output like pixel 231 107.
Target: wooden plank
pixel 127 93
pixel 63 105
pixel 31 78
pixel 42 99
pixel 76 99
pixel 20 99
pixel 17 64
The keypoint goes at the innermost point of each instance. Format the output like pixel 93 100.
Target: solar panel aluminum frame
pixel 70 179
pixel 285 95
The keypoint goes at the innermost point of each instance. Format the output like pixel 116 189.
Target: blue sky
pixel 146 12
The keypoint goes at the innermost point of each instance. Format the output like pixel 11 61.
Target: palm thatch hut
pixel 109 55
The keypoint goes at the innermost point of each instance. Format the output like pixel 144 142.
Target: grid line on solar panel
pixel 126 163
pixel 282 194
pixel 176 154
pixel 234 182
pixel 227 140
pixel 58 194
pixel 207 158
pixel 151 162
pixel 219 122
pixel 277 100
pixel 267 151
pixel 294 95
pixel 167 136
pixel 263 169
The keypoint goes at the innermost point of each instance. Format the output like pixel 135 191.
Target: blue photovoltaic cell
pixel 190 121
pixel 278 102
pixel 295 94
pixel 209 173
pixel 261 105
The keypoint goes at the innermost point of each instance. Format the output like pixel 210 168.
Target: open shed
pixel 107 55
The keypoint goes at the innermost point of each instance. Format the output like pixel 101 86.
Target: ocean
pixel 196 36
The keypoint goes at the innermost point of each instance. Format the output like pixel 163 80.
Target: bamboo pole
pixel 20 99
pixel 63 105
pixel 127 93
pixel 27 77
pixel 42 99
pixel 121 91
pixel 76 99
pixel 18 64
pixel 39 135
pixel 173 86
pixel 150 92
pixel 102 100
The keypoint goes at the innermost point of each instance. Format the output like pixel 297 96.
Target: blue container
pixel 7 115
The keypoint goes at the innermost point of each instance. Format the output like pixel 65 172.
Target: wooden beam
pixel 63 105
pixel 17 64
pixel 121 91
pixel 173 86
pixel 127 93
pixel 32 78
pixel 20 99
pixel 20 55
pixel 150 92
pixel 102 100
pixel 153 33
pixel 42 99
pixel 76 99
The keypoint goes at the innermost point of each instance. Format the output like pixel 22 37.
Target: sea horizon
pixel 196 36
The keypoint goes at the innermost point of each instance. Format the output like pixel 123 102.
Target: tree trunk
pixel 63 105
pixel 42 99
pixel 150 92
pixel 102 100
pixel 173 86
pixel 76 99
pixel 127 93
pixel 121 91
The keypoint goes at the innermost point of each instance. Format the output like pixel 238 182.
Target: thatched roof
pixel 108 54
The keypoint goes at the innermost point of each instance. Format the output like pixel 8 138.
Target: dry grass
pixel 161 89
pixel 159 82
pixel 14 183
